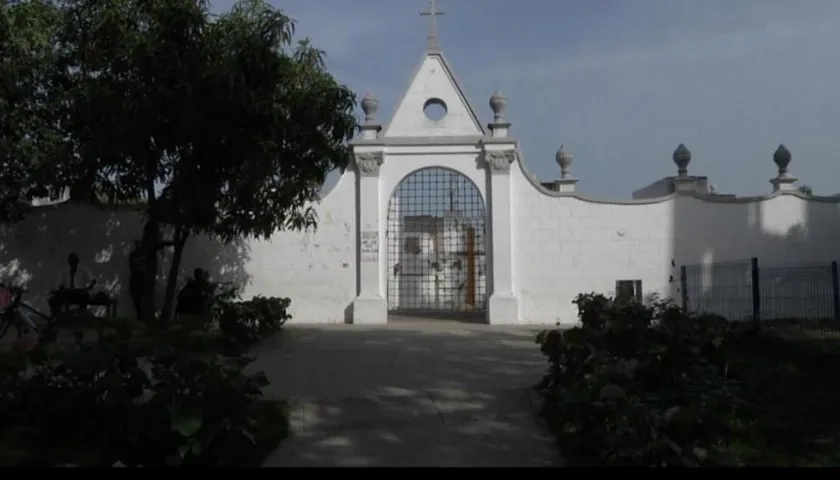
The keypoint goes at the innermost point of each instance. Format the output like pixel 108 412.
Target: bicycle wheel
pixel 32 319
pixel 7 324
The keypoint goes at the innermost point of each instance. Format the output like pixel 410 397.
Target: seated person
pixel 74 287
pixel 196 296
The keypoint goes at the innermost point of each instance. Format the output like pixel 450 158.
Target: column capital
pixel 499 161
pixel 368 163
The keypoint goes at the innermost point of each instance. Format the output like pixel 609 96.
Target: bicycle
pixel 14 312
pixel 11 312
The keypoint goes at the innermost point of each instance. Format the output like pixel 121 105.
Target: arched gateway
pixel 433 202
pixel 436 246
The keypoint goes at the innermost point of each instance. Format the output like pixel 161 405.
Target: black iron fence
pixel 747 291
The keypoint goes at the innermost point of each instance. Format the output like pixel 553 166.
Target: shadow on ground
pixel 414 393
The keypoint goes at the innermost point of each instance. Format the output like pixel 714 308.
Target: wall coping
pixel 647 201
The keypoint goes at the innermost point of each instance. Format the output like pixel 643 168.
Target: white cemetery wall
pixel 569 244
pixel 317 270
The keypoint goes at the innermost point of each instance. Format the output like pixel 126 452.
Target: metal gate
pixel 436 245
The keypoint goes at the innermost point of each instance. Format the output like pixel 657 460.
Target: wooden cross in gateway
pixel 432 42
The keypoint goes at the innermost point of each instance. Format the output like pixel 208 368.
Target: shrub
pixel 120 402
pixel 638 385
pixel 208 402
pixel 247 322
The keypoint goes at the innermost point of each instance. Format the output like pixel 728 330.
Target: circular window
pixel 435 109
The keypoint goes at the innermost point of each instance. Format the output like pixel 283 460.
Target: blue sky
pixel 620 82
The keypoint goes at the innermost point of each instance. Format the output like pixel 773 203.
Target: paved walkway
pixel 422 393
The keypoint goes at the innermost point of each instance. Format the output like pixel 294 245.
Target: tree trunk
pixel 167 313
pixel 149 242
pixel 151 234
pixel 82 191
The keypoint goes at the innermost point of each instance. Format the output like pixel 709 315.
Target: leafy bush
pixel 122 402
pixel 208 402
pixel 247 322
pixel 638 385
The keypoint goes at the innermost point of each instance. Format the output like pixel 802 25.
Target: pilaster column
pixel 502 306
pixel 370 307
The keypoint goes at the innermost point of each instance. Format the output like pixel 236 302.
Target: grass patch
pixel 794 389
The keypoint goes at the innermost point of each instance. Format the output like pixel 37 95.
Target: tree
pixel 806 189
pixel 219 124
pixel 29 139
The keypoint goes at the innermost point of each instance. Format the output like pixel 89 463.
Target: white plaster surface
pixel 317 270
pixel 433 80
pixel 566 245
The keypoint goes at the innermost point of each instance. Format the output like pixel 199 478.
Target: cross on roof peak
pixel 432 41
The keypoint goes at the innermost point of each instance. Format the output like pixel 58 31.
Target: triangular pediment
pixel 434 83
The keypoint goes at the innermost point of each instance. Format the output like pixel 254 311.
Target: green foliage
pixel 140 403
pixel 247 322
pixel 638 385
pixel 237 127
pixel 221 124
pixel 209 402
pixel 29 140
pixel 297 116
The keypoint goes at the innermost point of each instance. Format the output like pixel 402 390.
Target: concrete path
pixel 421 393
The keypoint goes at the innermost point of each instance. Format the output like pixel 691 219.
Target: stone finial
pixel 566 184
pixel 782 159
pixel 682 157
pixel 784 182
pixel 564 160
pixel 370 105
pixel 499 128
pixel 498 103
pixel 370 128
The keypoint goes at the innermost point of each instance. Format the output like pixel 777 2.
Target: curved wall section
pixel 566 244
